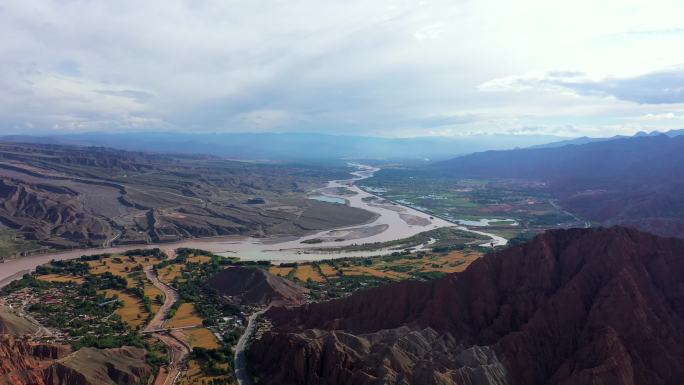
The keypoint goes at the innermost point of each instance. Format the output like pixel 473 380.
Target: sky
pixel 352 67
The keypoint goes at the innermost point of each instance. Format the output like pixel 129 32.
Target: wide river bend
pixel 393 221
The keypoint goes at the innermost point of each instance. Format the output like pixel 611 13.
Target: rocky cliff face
pixel 23 363
pixel 42 211
pixel 599 306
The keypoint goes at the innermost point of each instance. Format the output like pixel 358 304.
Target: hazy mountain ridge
pixel 635 181
pixel 587 139
pixel 294 146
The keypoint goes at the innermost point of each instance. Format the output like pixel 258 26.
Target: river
pixel 393 221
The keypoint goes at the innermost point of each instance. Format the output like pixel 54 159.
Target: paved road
pixel 241 373
pixel 555 205
pixel 175 340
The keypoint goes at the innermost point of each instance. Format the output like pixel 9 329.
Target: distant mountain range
pixel 637 181
pixel 308 147
pixel 295 146
pixel 586 139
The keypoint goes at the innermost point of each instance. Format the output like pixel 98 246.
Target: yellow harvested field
pixel 194 375
pixel 116 268
pixel 122 269
pixel 395 275
pixel 60 278
pixel 328 270
pixel 280 271
pixel 132 312
pixel 151 291
pixel 169 273
pixel 201 338
pixel 199 259
pixel 306 272
pixel 453 262
pixel 363 270
pixel 185 316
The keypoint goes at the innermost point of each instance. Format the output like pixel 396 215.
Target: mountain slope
pixel 69 196
pixel 256 286
pixel 14 325
pixel 637 181
pixel 600 306
pixel 587 139
pixel 24 363
pixel 294 146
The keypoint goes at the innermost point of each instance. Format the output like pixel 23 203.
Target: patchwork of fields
pixel 508 208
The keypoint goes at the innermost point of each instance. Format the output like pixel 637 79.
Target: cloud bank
pixel 386 67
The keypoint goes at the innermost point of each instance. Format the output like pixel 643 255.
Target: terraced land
pixel 195 375
pixel 132 311
pixel 170 273
pixel 202 338
pixel 308 272
pixel 203 314
pixel 341 277
pixel 136 310
pixel 281 271
pixel 185 315
pixel 107 300
pixel 60 278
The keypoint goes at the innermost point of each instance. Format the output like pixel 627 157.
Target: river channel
pixel 392 221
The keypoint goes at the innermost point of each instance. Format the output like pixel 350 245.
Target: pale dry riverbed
pixel 393 221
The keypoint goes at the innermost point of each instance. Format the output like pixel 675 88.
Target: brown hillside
pixel 599 306
pixel 70 196
pixel 14 325
pixel 23 363
pixel 256 286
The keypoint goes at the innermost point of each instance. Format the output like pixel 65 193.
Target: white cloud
pixel 386 67
pixel 666 116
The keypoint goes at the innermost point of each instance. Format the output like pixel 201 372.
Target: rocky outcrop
pixel 599 306
pixel 24 363
pixel 90 366
pixel 40 211
pixel 254 286
pixel 12 324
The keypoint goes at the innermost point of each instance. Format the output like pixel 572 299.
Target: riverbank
pixel 291 249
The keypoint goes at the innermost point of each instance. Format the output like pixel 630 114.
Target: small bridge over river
pixel 166 330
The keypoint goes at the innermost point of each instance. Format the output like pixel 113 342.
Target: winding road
pixel 179 350
pixel 241 374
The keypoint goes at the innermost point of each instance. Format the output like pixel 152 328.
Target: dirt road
pixel 175 340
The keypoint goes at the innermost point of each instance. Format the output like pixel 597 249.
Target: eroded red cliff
pixel 600 306
pixel 25 363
